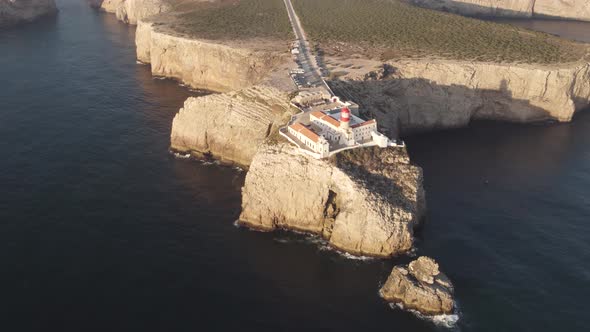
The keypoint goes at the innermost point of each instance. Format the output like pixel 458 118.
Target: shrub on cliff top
pixel 390 29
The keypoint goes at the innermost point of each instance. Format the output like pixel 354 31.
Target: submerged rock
pixel 14 12
pixel 364 201
pixel 420 286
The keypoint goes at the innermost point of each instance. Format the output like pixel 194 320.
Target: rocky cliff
pixel 232 125
pixel 204 64
pixel 566 9
pixel 14 12
pixel 420 286
pixel 363 201
pixel 131 11
pixel 569 9
pixel 419 95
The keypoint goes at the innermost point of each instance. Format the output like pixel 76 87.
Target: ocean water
pixel 102 229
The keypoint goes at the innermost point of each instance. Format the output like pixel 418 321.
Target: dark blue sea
pixel 102 229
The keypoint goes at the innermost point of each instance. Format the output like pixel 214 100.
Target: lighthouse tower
pixel 345 118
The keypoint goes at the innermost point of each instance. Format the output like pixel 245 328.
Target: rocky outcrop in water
pixel 232 125
pixel 420 286
pixel 13 12
pixel 132 11
pixel 205 64
pixel 420 95
pixel 565 9
pixel 365 201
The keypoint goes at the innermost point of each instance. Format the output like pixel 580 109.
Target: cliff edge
pixel 563 9
pixel 132 11
pixel 13 12
pixel 232 125
pixel 419 95
pixel 364 201
pixel 207 64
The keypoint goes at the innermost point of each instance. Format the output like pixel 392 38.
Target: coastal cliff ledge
pixel 207 64
pixel 408 96
pixel 232 125
pixel 132 11
pixel 562 9
pixel 365 201
pixel 14 12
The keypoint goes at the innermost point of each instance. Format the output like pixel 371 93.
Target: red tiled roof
pixel 298 127
pixel 325 117
pixel 363 124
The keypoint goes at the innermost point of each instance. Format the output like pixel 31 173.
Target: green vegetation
pixel 389 29
pixel 236 19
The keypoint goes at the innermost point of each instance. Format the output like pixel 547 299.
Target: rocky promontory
pixel 563 9
pixel 232 125
pixel 419 95
pixel 207 64
pixel 365 201
pixel 420 286
pixel 13 12
pixel 132 11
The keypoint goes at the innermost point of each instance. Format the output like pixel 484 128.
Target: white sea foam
pixel 323 245
pixel 446 321
pixel 210 162
pixel 181 156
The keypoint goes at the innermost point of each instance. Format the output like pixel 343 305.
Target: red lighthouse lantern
pixel 344 117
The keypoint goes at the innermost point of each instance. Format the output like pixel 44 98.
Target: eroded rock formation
pixel 420 95
pixel 205 64
pixel 230 126
pixel 13 12
pixel 132 11
pixel 566 9
pixel 364 201
pixel 420 286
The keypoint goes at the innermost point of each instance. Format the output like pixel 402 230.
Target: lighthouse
pixel 344 118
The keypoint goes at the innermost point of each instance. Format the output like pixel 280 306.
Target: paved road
pixel 305 57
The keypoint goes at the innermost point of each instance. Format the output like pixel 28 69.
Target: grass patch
pixel 236 19
pixel 389 29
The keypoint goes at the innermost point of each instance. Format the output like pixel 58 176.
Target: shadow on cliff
pixel 405 106
pixel 380 170
pixel 96 4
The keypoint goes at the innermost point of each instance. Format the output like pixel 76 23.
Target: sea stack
pixel 13 12
pixel 420 286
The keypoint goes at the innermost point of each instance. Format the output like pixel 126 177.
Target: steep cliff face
pixel 230 126
pixel 420 95
pixel 131 11
pixel 570 9
pixel 566 9
pixel 14 12
pixel 503 8
pixel 363 201
pixel 204 64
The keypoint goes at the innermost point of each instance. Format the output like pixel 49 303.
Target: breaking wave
pixel 447 321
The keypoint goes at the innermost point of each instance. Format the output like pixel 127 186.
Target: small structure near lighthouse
pixel 327 126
